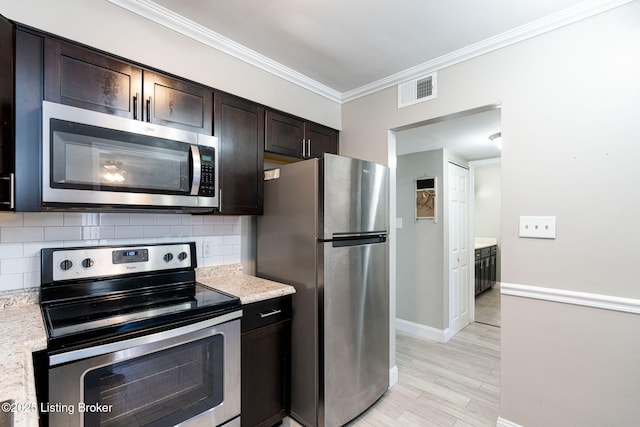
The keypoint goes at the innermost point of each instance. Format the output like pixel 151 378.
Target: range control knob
pixel 182 256
pixel 66 264
pixel 88 262
pixel 167 257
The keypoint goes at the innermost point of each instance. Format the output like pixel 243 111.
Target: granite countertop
pixel 231 280
pixel 24 332
pixel 485 242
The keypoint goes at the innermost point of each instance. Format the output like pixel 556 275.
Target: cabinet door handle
pixel 308 147
pixel 149 109
pixel 12 190
pixel 271 313
pixel 304 149
pixel 135 106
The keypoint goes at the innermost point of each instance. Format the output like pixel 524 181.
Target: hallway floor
pixel 452 384
pixel 488 306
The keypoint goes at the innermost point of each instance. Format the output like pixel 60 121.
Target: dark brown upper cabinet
pixel 239 126
pixel 85 78
pixel 320 139
pixel 294 137
pixel 176 103
pixel 7 113
pixel 21 54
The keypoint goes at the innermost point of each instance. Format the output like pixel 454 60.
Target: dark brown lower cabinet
pixel 266 358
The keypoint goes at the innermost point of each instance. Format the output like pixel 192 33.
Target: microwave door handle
pixel 135 106
pixel 196 167
pixel 149 109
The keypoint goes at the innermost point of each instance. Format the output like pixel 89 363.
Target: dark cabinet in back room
pixel 239 126
pixel 294 137
pixel 89 79
pixel 485 268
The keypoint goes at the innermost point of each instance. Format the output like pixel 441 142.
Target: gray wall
pixel 487 201
pixel 420 264
pixel 570 128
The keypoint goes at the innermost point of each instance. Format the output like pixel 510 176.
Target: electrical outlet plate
pixel 538 227
pixel 207 250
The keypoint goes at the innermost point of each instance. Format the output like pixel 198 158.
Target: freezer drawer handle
pixel 271 313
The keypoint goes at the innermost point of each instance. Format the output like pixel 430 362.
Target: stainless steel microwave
pixel 93 160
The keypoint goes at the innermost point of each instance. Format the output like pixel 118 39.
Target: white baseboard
pixel 423 331
pixel 393 376
pixel 506 423
pixel 585 299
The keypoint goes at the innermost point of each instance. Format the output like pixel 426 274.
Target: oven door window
pixel 93 158
pixel 158 389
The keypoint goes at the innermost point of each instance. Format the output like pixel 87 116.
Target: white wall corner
pixel 393 376
pixel 422 331
pixel 501 422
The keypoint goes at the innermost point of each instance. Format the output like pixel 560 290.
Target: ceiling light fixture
pixel 496 138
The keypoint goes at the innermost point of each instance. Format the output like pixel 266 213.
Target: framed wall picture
pixel 426 198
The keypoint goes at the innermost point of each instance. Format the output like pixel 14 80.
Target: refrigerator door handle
pixel 342 241
pixel 342 236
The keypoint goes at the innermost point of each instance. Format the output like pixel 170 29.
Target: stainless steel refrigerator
pixel 324 231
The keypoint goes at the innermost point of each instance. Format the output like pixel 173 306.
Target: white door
pixel 459 273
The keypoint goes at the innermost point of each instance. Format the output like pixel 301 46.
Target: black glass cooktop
pixel 118 314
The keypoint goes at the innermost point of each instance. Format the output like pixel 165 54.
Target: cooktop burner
pixel 99 294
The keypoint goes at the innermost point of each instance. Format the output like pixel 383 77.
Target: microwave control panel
pixel 207 172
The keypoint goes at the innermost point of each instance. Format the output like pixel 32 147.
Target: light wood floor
pixel 452 384
pixel 488 306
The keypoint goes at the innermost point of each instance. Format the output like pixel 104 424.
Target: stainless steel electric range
pixel 134 340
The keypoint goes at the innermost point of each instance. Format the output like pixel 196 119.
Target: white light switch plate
pixel 538 227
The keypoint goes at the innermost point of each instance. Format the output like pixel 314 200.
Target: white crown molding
pixel 165 17
pixel 585 299
pixel 552 22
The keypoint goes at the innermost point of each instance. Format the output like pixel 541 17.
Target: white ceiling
pixel 348 45
pixel 465 134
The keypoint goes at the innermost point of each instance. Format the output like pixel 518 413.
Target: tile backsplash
pixel 22 235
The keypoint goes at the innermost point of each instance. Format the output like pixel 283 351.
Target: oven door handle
pixel 98 350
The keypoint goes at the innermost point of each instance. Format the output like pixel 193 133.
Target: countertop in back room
pixel 485 242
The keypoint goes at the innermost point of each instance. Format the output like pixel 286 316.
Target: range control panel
pixel 93 262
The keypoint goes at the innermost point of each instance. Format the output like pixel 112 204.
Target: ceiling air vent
pixel 417 90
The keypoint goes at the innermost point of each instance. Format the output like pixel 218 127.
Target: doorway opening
pixel 487 225
pixel 434 286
